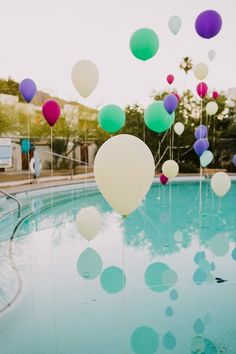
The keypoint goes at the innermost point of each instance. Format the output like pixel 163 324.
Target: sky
pixel 44 39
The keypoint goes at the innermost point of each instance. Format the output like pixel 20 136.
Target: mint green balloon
pixel 111 118
pixel 144 44
pixel 156 117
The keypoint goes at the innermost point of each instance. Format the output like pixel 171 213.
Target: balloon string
pixel 28 154
pixel 200 185
pixel 51 166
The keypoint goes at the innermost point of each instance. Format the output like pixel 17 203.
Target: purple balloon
pixel 170 103
pixel 28 89
pixel 234 160
pixel 200 146
pixel 201 132
pixel 208 24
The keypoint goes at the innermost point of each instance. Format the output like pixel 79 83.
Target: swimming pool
pixel 146 284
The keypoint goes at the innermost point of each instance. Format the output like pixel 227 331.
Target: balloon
pixel 234 160
pixel 124 170
pixel 170 169
pixel 163 179
pixel 215 95
pixel 111 118
pixel 200 71
pixel 88 222
pixel 220 183
pixel 174 24
pixel 170 78
pixel 179 128
pixel 144 44
pixel 202 89
pixel 211 108
pixel 25 146
pixel 176 95
pixel 211 54
pixel 170 103
pixel 206 158
pixel 200 146
pixel 208 24
pixel 51 111
pixel 201 131
pixel 156 118
pixel 27 89
pixel 84 76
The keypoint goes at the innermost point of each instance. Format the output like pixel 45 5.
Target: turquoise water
pixel 146 284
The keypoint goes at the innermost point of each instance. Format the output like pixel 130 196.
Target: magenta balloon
pixel 208 24
pixel 234 160
pixel 170 103
pixel 215 95
pixel 201 131
pixel 176 95
pixel 202 89
pixel 170 78
pixel 51 111
pixel 28 89
pixel 200 146
pixel 163 179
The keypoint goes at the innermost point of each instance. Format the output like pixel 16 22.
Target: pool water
pixel 161 280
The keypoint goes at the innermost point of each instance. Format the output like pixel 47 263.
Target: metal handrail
pixel 16 200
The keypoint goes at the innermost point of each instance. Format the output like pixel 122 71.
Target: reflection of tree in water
pixel 170 209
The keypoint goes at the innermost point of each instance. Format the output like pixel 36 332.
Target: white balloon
pixel 170 169
pixel 231 96
pixel 84 76
pixel 200 71
pixel 220 183
pixel 179 128
pixel 211 108
pixel 211 54
pixel 88 222
pixel 124 170
pixel 174 24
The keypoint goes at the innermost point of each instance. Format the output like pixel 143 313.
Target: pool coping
pixel 87 182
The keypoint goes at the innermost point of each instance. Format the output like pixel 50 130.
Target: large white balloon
pixel 211 54
pixel 174 24
pixel 170 169
pixel 179 128
pixel 124 170
pixel 84 76
pixel 220 183
pixel 200 71
pixel 211 108
pixel 88 222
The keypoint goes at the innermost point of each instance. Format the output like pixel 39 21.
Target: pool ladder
pixel 16 200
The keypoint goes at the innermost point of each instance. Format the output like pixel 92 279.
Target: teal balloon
pixel 156 117
pixel 199 326
pixel 199 277
pixel 174 295
pixel 169 311
pixel 234 254
pixel 206 158
pixel 153 277
pixel 89 264
pixel 144 44
pixel 144 340
pixel 113 280
pixel 169 341
pixel 111 118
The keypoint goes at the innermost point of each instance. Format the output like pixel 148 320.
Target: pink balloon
pixel 202 89
pixel 176 95
pixel 215 95
pixel 170 78
pixel 51 111
pixel 163 179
